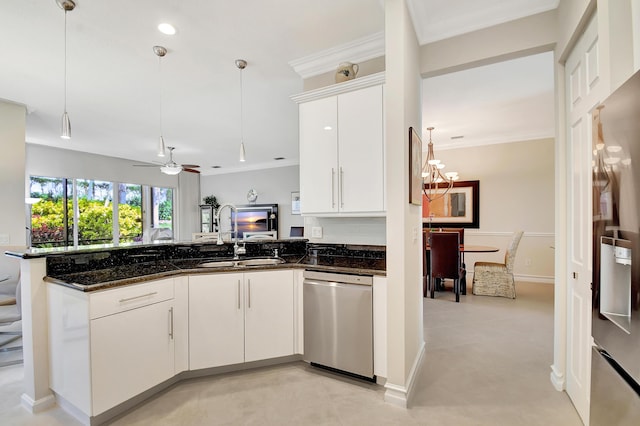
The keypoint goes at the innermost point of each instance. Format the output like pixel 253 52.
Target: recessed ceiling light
pixel 457 137
pixel 278 158
pixel 216 167
pixel 166 28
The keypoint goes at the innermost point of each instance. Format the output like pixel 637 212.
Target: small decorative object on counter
pixel 346 71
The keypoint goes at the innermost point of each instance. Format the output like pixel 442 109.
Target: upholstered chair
pixel 496 279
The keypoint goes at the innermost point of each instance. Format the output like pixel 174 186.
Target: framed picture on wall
pixel 457 207
pixel 415 167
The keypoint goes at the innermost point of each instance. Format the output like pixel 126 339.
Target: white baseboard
pixel 557 379
pixel 401 395
pixel 37 406
pixel 534 278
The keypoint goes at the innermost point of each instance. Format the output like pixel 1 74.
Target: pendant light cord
pixel 241 110
pixel 65 61
pixel 160 74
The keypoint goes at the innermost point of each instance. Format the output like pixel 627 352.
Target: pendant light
pixel 66 5
pixel 160 53
pixel 241 64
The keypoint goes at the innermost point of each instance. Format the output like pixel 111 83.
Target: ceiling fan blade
pixel 190 166
pixel 147 165
pixel 185 169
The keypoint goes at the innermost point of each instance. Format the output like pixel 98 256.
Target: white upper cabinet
pixel 342 150
pixel 319 155
pixel 361 151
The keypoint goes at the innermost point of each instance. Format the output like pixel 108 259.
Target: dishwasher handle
pixel 333 284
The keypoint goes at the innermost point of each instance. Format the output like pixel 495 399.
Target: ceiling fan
pixel 171 167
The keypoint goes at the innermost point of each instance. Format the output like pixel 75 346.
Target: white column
pixel 405 338
pixel 37 396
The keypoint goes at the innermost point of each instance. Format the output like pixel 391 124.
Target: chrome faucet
pixel 236 249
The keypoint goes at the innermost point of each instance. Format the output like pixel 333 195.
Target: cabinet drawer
pixel 123 299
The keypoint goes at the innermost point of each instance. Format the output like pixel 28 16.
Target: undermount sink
pixel 242 263
pixel 218 264
pixel 260 262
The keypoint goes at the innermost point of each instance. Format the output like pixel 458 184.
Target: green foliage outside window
pixel 95 222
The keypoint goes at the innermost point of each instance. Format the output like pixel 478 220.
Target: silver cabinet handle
pixel 333 184
pixel 341 187
pixel 128 299
pixel 249 287
pixel 238 294
pixel 171 323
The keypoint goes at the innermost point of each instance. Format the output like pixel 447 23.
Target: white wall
pixel 59 162
pixel 516 192
pixel 273 186
pixel 12 184
pixel 526 36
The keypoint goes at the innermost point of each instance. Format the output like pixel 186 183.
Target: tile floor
pixel 486 363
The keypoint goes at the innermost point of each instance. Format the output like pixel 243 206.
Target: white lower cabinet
pixel 240 317
pixel 109 346
pixel 131 352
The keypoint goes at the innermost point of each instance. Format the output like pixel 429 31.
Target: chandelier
pixel 436 183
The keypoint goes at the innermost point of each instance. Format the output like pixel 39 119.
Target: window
pixel 129 212
pixel 51 224
pixel 162 213
pixel 95 212
pixel 100 219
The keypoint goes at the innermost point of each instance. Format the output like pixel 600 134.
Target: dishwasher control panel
pixel 338 278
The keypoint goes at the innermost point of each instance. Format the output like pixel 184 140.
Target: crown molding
pixel 360 50
pixel 338 88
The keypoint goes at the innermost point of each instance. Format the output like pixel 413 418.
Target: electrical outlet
pixel 4 239
pixel 527 262
pixel 316 232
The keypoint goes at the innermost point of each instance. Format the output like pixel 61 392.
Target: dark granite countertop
pixel 95 269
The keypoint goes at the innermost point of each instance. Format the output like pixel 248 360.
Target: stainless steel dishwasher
pixel 338 322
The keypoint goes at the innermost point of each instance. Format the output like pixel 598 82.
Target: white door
pixel 584 90
pixel 216 320
pixel 319 156
pixel 361 151
pixel 131 352
pixel 268 315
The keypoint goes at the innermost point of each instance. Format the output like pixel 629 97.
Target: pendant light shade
pixel 66 126
pixel 160 52
pixel 242 154
pixel 241 64
pixel 161 147
pixel 66 5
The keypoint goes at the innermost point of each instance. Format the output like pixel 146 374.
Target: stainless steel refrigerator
pixel 615 369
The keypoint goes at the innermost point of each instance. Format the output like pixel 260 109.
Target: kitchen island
pixel 107 327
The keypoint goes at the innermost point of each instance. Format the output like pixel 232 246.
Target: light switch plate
pixel 316 232
pixel 4 239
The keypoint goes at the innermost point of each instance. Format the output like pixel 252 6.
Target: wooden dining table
pixel 464 248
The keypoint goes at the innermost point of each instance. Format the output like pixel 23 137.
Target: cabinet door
pixel 361 151
pixel 216 320
pixel 268 315
pixel 131 352
pixel 318 156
